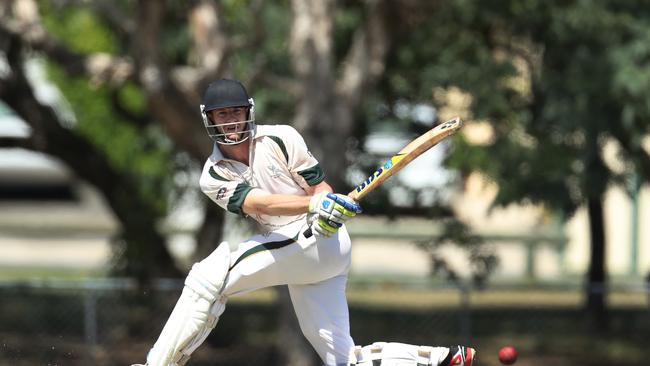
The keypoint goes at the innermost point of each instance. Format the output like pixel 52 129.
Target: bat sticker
pixel 387 165
pixel 448 124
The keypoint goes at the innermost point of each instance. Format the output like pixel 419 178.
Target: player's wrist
pixel 317 200
pixel 314 202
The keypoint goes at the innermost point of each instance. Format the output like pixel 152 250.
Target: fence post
pixel 465 313
pixel 90 321
pixel 531 247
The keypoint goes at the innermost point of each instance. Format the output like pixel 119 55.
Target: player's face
pixel 231 121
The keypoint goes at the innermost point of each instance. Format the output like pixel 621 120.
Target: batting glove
pixel 329 211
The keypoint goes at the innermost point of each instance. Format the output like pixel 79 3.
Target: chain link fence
pixel 113 322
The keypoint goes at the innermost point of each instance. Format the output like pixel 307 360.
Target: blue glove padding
pixel 329 211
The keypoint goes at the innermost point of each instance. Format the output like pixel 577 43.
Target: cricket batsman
pixel 266 172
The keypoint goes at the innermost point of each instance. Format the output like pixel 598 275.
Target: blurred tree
pixel 556 80
pixel 128 162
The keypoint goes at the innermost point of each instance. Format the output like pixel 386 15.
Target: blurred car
pixel 29 175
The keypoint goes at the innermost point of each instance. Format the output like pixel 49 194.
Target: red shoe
pixel 460 356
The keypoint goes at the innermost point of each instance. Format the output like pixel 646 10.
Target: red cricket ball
pixel 508 355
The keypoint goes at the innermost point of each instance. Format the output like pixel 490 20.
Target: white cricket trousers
pixel 315 271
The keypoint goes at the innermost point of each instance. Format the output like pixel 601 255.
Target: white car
pixel 29 175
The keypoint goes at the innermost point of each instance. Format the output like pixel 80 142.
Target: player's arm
pixel 318 188
pixel 260 202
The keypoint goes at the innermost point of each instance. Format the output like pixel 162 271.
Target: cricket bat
pixel 411 151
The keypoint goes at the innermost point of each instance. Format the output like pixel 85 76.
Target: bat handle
pixel 307 233
pixel 354 195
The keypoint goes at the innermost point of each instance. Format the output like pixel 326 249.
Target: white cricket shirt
pixel 280 163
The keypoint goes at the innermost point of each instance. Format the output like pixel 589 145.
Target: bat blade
pixel 398 161
pixel 411 151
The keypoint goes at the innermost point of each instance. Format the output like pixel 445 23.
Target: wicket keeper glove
pixel 328 212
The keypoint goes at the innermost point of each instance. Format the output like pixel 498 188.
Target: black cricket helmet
pixel 225 93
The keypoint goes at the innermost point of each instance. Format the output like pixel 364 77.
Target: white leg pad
pixel 399 354
pixel 196 313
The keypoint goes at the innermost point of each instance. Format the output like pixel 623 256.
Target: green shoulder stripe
pixel 265 246
pixel 213 174
pixel 237 199
pixel 282 146
pixel 313 175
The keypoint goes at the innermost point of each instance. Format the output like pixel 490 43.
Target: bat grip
pixel 307 233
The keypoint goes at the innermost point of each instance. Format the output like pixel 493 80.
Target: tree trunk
pixel 596 289
pixel 310 46
pixel 327 106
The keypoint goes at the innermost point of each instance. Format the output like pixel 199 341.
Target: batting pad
pixel 399 354
pixel 196 313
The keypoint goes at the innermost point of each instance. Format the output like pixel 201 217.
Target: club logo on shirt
pixel 221 193
pixel 275 172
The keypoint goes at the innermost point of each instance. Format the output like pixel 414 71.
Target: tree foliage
pixel 580 82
